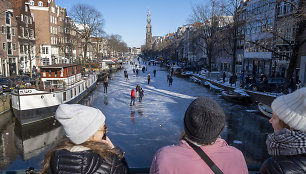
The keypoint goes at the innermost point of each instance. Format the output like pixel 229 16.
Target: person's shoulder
pixel 223 146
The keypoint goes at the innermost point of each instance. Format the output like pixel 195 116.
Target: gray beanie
pixel 204 120
pixel 80 122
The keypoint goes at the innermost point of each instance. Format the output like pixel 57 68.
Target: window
pixel 22 31
pixel 53 9
pixel 44 50
pixel 3 46
pixel 26 8
pixel 13 31
pixel 7 17
pixel 14 47
pixel 21 48
pixel 31 2
pixel 26 19
pixel 8 33
pixel 2 29
pixel 64 96
pixel 9 48
pixel 40 4
pixel 31 33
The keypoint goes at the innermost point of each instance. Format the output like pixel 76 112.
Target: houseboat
pixel 59 83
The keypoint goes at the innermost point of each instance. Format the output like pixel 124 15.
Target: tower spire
pixel 149 32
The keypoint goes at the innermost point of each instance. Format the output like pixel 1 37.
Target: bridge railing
pixel 253 169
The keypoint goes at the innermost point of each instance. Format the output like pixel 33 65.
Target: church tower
pixel 149 32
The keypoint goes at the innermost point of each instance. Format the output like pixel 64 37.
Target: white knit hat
pixel 80 122
pixel 291 109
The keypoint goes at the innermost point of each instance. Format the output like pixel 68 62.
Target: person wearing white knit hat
pixel 86 149
pixel 287 144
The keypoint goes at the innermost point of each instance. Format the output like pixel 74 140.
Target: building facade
pixel 9 52
pixel 26 36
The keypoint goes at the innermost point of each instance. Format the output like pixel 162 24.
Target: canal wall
pixel 256 96
pixel 5 103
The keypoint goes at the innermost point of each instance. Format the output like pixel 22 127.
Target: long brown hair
pixel 284 125
pixel 103 150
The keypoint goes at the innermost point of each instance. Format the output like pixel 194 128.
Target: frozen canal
pixel 140 130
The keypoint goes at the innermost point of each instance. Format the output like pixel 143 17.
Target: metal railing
pixel 133 170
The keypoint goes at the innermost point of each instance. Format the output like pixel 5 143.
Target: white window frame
pixel 40 4
pixel 31 2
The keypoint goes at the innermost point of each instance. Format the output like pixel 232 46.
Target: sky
pixel 128 18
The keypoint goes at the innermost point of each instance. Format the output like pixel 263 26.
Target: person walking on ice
pixel 170 81
pixel 141 95
pixel 149 79
pixel 132 97
pixel 105 84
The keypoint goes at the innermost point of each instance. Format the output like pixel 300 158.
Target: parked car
pixel 7 84
pixel 23 81
pixel 274 84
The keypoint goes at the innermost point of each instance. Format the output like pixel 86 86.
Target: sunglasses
pixel 105 131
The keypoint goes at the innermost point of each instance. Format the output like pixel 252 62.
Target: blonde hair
pixel 103 150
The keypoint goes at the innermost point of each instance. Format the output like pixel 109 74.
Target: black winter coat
pixel 64 161
pixel 295 164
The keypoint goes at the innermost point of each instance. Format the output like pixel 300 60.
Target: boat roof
pixel 58 66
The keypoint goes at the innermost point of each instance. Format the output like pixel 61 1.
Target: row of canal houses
pixel 259 47
pixel 38 32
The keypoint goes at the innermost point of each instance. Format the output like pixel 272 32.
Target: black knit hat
pixel 204 120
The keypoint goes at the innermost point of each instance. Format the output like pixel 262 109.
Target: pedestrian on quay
pixel 154 72
pixel 204 121
pixel 287 144
pixel 168 76
pixel 86 148
pixel 105 84
pixel 132 97
pixel 242 80
pixel 149 78
pixel 137 72
pixel 170 81
pixel 223 77
pixel 141 94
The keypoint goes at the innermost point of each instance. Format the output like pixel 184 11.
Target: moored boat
pixel 236 96
pixel 59 83
pixel 265 110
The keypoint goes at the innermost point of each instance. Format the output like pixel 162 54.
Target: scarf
pixel 286 142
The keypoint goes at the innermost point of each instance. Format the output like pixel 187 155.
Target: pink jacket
pixel 182 159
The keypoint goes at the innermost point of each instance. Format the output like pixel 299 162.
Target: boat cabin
pixel 60 75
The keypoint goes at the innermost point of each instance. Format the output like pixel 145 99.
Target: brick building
pixel 8 40
pixel 26 36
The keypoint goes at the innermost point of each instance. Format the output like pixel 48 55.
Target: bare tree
pixel 208 15
pixel 231 34
pixel 288 33
pixel 116 45
pixel 90 20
